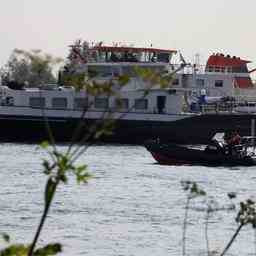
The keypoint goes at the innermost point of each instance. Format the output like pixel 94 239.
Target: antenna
pixel 197 59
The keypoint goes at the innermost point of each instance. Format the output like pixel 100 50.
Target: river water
pixel 131 206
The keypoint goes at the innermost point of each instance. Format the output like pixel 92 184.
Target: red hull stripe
pixel 167 160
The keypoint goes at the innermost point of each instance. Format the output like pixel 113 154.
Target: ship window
pixel 37 102
pixel 219 83
pixel 229 69
pixel 122 103
pixel 200 82
pixel 217 69
pixel 175 81
pixel 163 57
pixel 101 103
pixel 99 71
pixel 141 104
pixel 116 71
pixel 59 103
pixel 80 103
pixel 210 69
pixel 9 101
pixel 128 70
pixel 172 91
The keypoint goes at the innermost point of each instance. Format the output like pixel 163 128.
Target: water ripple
pixel 131 206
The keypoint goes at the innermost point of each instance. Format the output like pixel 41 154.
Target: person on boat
pixel 232 139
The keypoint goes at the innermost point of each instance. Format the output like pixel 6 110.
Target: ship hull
pixel 197 129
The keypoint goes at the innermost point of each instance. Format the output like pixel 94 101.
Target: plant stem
pixel 206 230
pixel 185 227
pixel 232 239
pixel 42 221
pixel 254 230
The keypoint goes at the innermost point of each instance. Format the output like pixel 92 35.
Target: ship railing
pixel 217 108
pixel 202 69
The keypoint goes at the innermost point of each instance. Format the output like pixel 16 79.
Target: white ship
pixel 196 104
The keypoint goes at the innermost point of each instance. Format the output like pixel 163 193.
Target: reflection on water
pixel 131 206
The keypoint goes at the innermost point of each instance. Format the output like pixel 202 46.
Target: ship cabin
pixel 221 63
pixel 130 54
pixel 222 76
pixel 231 66
pixel 104 63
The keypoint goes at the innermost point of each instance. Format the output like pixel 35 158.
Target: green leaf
pixel 6 237
pixel 81 168
pixel 45 144
pixel 123 80
pixel 47 167
pixel 81 174
pixel 50 249
pixel 202 192
pixel 63 178
pixel 15 250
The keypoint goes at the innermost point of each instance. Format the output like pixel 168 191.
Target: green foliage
pixel 50 249
pixel 153 78
pixel 45 144
pixel 247 213
pixel 192 189
pixel 81 174
pixel 15 250
pixel 58 169
pixel 123 80
pixel 77 80
pixel 31 67
pixel 22 250
pixel 6 237
pixel 105 129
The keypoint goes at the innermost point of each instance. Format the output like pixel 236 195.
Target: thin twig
pixel 254 240
pixel 232 239
pixel 185 227
pixel 206 230
pixel 79 127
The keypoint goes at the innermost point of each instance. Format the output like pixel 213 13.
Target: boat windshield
pixel 219 136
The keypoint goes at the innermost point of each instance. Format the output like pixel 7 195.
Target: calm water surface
pixel 132 206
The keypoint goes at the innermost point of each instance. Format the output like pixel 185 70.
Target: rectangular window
pixel 172 91
pixel 80 103
pixel 9 101
pixel 217 69
pixel 37 102
pixel 116 71
pixel 210 69
pixel 99 71
pixel 129 71
pixel 200 82
pixel 219 83
pixel 59 103
pixel 122 103
pixel 141 104
pixel 175 82
pixel 101 103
